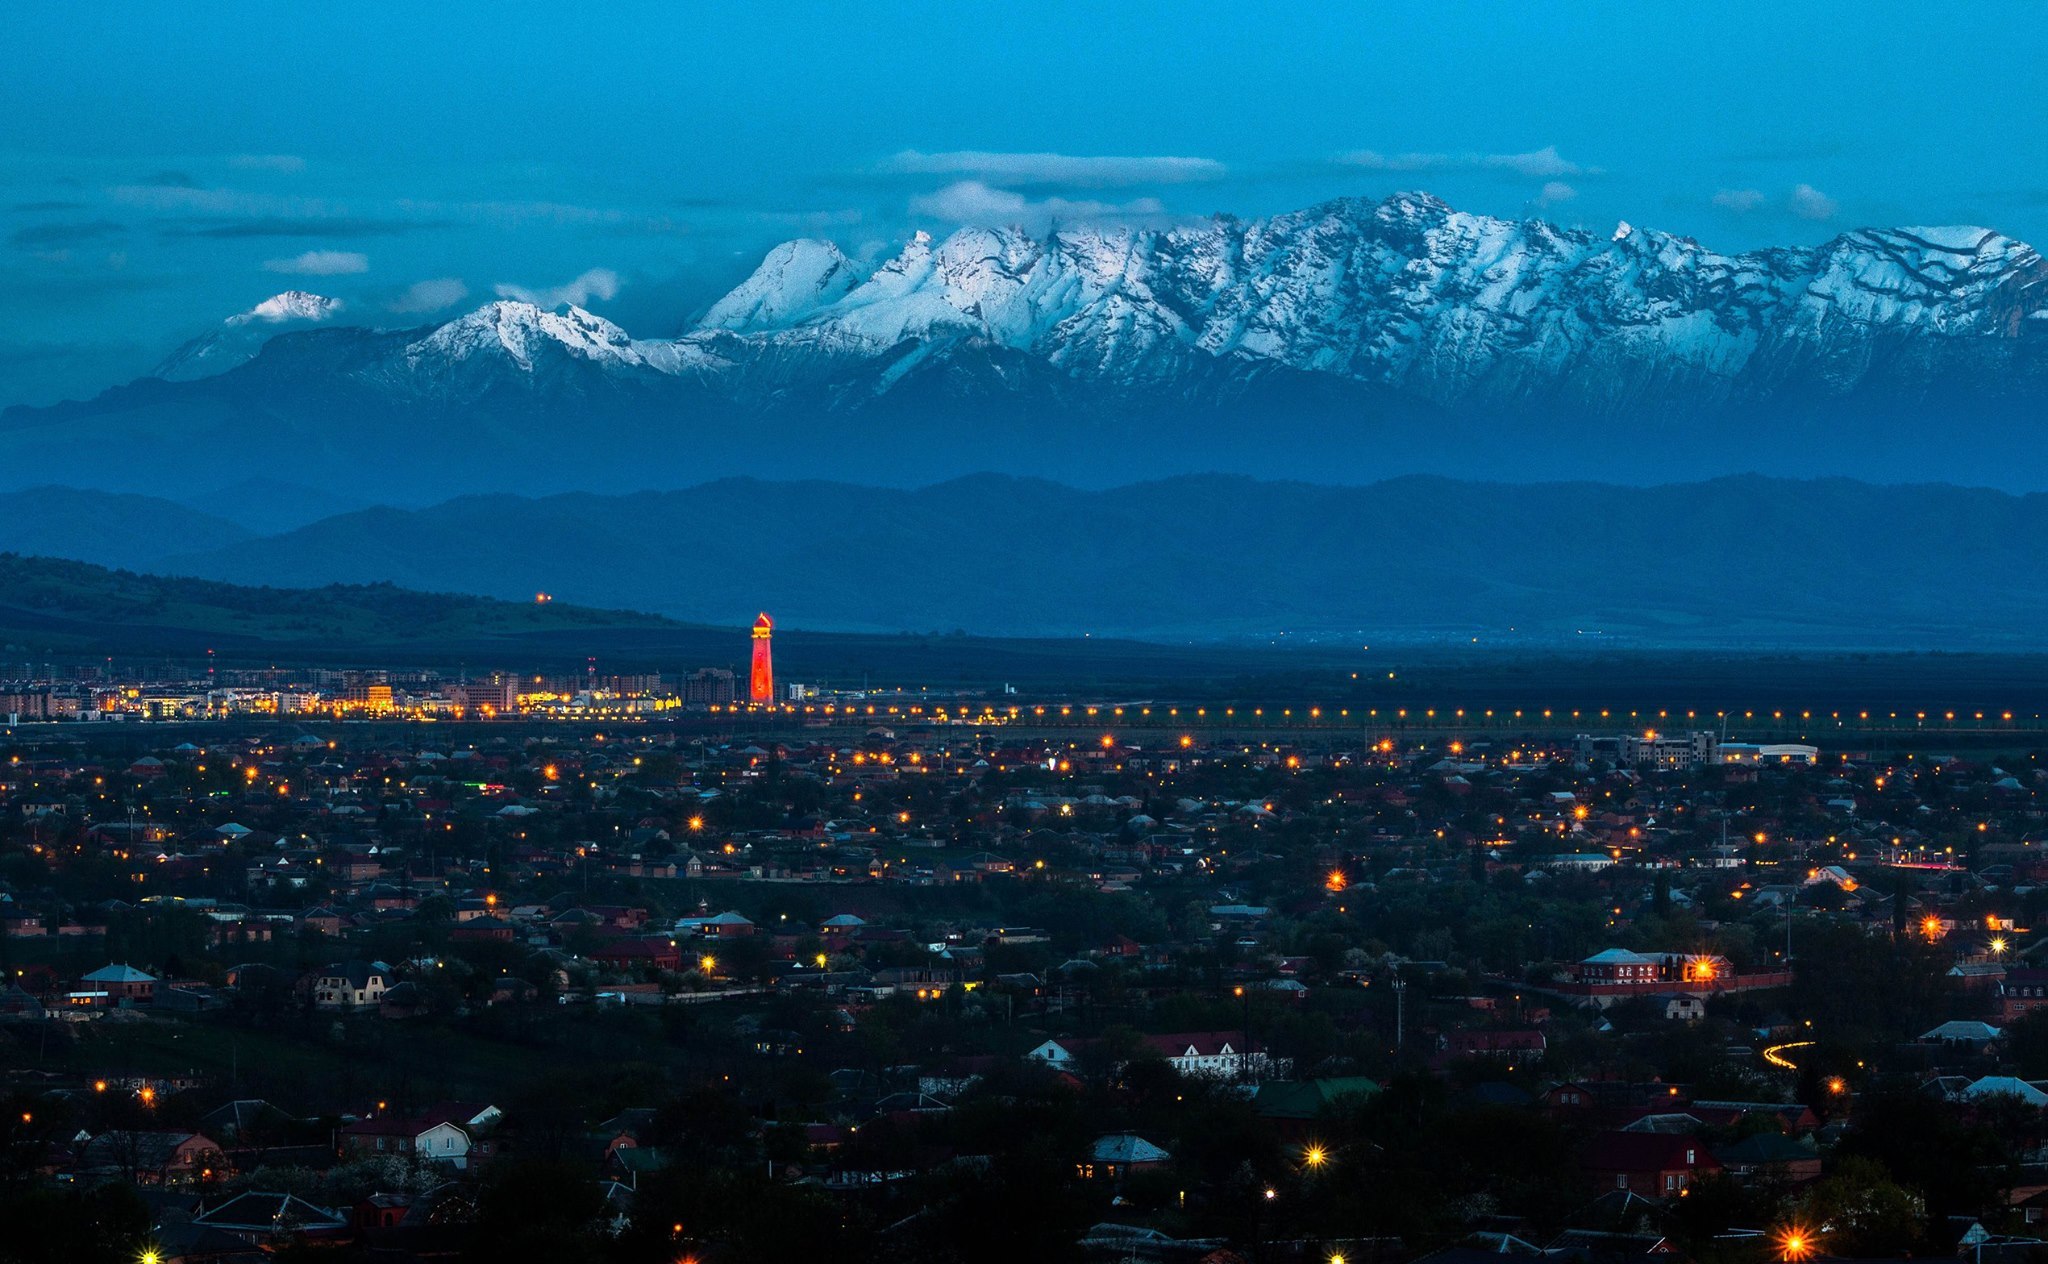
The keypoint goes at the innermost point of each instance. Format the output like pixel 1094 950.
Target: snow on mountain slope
pixel 1409 293
pixel 1405 295
pixel 289 306
pixel 243 335
pixel 796 277
pixel 521 336
pixel 525 333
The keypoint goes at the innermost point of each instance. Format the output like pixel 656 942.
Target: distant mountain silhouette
pixel 1734 561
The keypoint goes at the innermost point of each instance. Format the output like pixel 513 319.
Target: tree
pixel 2026 1043
pixel 1956 1165
pixel 1863 1212
pixel 537 1210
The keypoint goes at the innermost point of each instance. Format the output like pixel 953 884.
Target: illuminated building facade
pixel 761 681
pixel 710 686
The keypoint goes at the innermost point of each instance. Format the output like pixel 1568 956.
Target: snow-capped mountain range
pixel 1352 339
pixel 1406 293
pixel 1410 294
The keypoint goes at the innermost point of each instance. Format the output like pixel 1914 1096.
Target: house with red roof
pixel 626 954
pixel 1651 1164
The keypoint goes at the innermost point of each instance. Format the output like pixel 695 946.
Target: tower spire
pixel 761 682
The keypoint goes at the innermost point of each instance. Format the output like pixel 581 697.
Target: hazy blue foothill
pixel 1729 562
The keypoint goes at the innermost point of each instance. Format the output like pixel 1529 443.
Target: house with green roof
pixel 1293 1104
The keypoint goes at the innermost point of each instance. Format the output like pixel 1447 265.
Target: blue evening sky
pixel 164 166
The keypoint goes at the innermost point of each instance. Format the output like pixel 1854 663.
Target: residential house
pixel 272 1219
pixel 1209 1054
pixel 1769 1156
pixel 433 1140
pixel 2022 989
pixel 1514 1044
pixel 627 954
pixel 1118 1155
pixel 1652 1164
pixel 122 984
pixel 351 985
pixel 152 1158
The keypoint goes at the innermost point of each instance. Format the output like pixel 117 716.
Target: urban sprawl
pixel 706 974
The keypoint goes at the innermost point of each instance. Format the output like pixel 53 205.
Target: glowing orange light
pixel 761 680
pixel 1795 1244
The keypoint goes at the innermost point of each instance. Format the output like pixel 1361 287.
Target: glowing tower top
pixel 761 682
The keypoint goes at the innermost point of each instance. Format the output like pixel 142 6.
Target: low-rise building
pixel 351 985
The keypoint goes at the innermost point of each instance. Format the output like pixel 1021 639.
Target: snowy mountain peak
pixel 796 277
pixel 242 335
pixel 1411 205
pixel 289 306
pixel 527 336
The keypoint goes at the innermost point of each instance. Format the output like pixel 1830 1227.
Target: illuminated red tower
pixel 761 682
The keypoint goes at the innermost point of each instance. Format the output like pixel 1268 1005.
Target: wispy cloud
pixel 1740 201
pixel 48 236
pixel 302 226
pixel 321 263
pixel 431 295
pixel 997 168
pixel 597 283
pixel 1538 164
pixel 1554 192
pixel 1808 202
pixel 972 202
pixel 160 196
pixel 289 164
